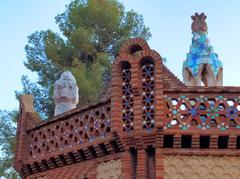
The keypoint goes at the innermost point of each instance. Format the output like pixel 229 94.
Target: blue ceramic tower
pixel 202 64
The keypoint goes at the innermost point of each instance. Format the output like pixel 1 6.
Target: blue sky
pixel 169 22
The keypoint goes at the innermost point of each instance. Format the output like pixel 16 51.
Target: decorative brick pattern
pixel 141 164
pixel 148 95
pixel 80 128
pixel 81 170
pixel 131 46
pixel 203 112
pixel 127 99
pixel 201 167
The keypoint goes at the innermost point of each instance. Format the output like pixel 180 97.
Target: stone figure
pixel 199 24
pixel 65 93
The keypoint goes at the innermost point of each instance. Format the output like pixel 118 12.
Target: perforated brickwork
pixel 148 95
pixel 127 99
pixel 80 128
pixel 203 112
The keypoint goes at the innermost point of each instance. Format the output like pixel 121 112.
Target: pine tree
pixel 91 34
pixel 7 142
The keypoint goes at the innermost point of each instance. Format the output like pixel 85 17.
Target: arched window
pixel 147 71
pixel 127 97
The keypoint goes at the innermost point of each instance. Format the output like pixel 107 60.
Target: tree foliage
pixel 7 142
pixel 91 32
pixel 43 101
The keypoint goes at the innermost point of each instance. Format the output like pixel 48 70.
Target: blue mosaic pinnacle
pixel 201 52
pixel 202 64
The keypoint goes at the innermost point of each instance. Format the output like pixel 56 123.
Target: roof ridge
pixel 172 76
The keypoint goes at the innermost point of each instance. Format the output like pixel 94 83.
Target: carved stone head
pixel 199 24
pixel 65 93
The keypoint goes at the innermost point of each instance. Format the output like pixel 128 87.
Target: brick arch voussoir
pixel 124 57
pixel 134 41
pixel 116 68
pixel 157 59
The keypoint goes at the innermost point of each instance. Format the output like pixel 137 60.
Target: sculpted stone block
pixel 65 93
pixel 27 103
pixel 109 170
pixel 199 24
pixel 201 167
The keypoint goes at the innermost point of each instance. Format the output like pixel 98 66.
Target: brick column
pixel 159 165
pixel 27 118
pixel 195 141
pixel 232 142
pixel 141 164
pixel 137 92
pixel 159 97
pixel 116 100
pixel 214 142
pixel 177 141
pixel 127 168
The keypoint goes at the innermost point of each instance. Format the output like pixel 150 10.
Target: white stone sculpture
pixel 65 93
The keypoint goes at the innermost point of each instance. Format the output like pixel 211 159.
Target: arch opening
pixel 135 48
pixel 127 97
pixel 147 72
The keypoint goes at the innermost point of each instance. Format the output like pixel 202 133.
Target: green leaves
pixel 92 32
pixel 89 79
pixel 43 98
pixel 7 141
pixel 38 60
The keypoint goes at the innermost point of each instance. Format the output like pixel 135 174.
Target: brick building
pixel 146 124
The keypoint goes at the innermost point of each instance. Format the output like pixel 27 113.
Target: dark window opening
pixel 93 152
pixel 29 169
pixel 223 142
pixel 204 142
pixel 104 149
pixel 125 65
pixel 72 157
pixel 133 153
pixel 238 142
pixel 186 141
pixel 135 48
pixel 37 166
pixel 151 162
pixel 115 146
pixel 82 155
pixel 147 61
pixel 168 141
pixel 45 164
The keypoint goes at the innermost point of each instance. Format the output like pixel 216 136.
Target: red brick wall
pixel 75 171
pixel 87 168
